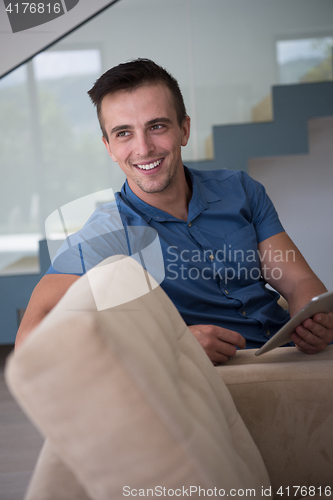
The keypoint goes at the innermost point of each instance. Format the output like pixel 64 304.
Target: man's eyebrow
pixel 157 120
pixel 119 128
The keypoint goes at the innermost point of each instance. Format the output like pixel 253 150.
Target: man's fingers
pixel 218 360
pixel 225 349
pixel 303 345
pixel 311 333
pixel 216 348
pixel 219 343
pixel 231 337
pixel 325 319
pixel 314 334
pixel 321 326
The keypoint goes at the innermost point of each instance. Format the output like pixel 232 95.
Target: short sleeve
pixel 102 236
pixel 265 218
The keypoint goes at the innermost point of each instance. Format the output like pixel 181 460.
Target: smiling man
pixel 144 136
pixel 220 235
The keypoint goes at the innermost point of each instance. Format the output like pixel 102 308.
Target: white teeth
pixel 149 166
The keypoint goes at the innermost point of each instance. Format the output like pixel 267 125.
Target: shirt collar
pixel 201 197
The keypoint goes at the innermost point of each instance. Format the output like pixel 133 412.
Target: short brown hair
pixel 131 75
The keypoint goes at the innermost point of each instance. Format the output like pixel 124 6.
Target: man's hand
pixel 314 334
pixel 298 284
pixel 218 343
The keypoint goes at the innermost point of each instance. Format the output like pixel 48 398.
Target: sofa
pixel 130 405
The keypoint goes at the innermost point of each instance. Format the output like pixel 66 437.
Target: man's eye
pixel 123 133
pixel 156 127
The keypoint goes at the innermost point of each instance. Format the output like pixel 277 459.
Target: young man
pixel 220 235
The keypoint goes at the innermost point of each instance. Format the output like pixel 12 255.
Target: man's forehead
pixel 124 102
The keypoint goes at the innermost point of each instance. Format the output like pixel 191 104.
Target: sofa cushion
pixel 127 397
pixel 284 397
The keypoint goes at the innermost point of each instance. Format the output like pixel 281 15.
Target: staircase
pixel 287 134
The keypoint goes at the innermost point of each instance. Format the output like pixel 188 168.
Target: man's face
pixel 145 138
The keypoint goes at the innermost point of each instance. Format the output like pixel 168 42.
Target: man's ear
pixel 186 126
pixel 107 145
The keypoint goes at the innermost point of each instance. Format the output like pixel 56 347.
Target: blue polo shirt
pixel 211 261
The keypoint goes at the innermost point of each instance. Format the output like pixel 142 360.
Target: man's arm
pixel 294 280
pixel 45 296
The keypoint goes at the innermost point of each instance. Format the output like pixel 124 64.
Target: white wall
pixel 301 187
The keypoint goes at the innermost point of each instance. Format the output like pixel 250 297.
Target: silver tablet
pixel 321 304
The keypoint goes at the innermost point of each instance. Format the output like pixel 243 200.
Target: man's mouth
pixel 148 166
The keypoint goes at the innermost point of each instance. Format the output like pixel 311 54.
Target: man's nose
pixel 144 145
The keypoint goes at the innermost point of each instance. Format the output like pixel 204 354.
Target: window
pixel 305 60
pixel 49 143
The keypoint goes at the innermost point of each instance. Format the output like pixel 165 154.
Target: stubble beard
pixel 161 186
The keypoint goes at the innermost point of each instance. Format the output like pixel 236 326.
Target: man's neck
pixel 173 204
pixel 174 201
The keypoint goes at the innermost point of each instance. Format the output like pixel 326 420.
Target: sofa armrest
pixel 285 400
